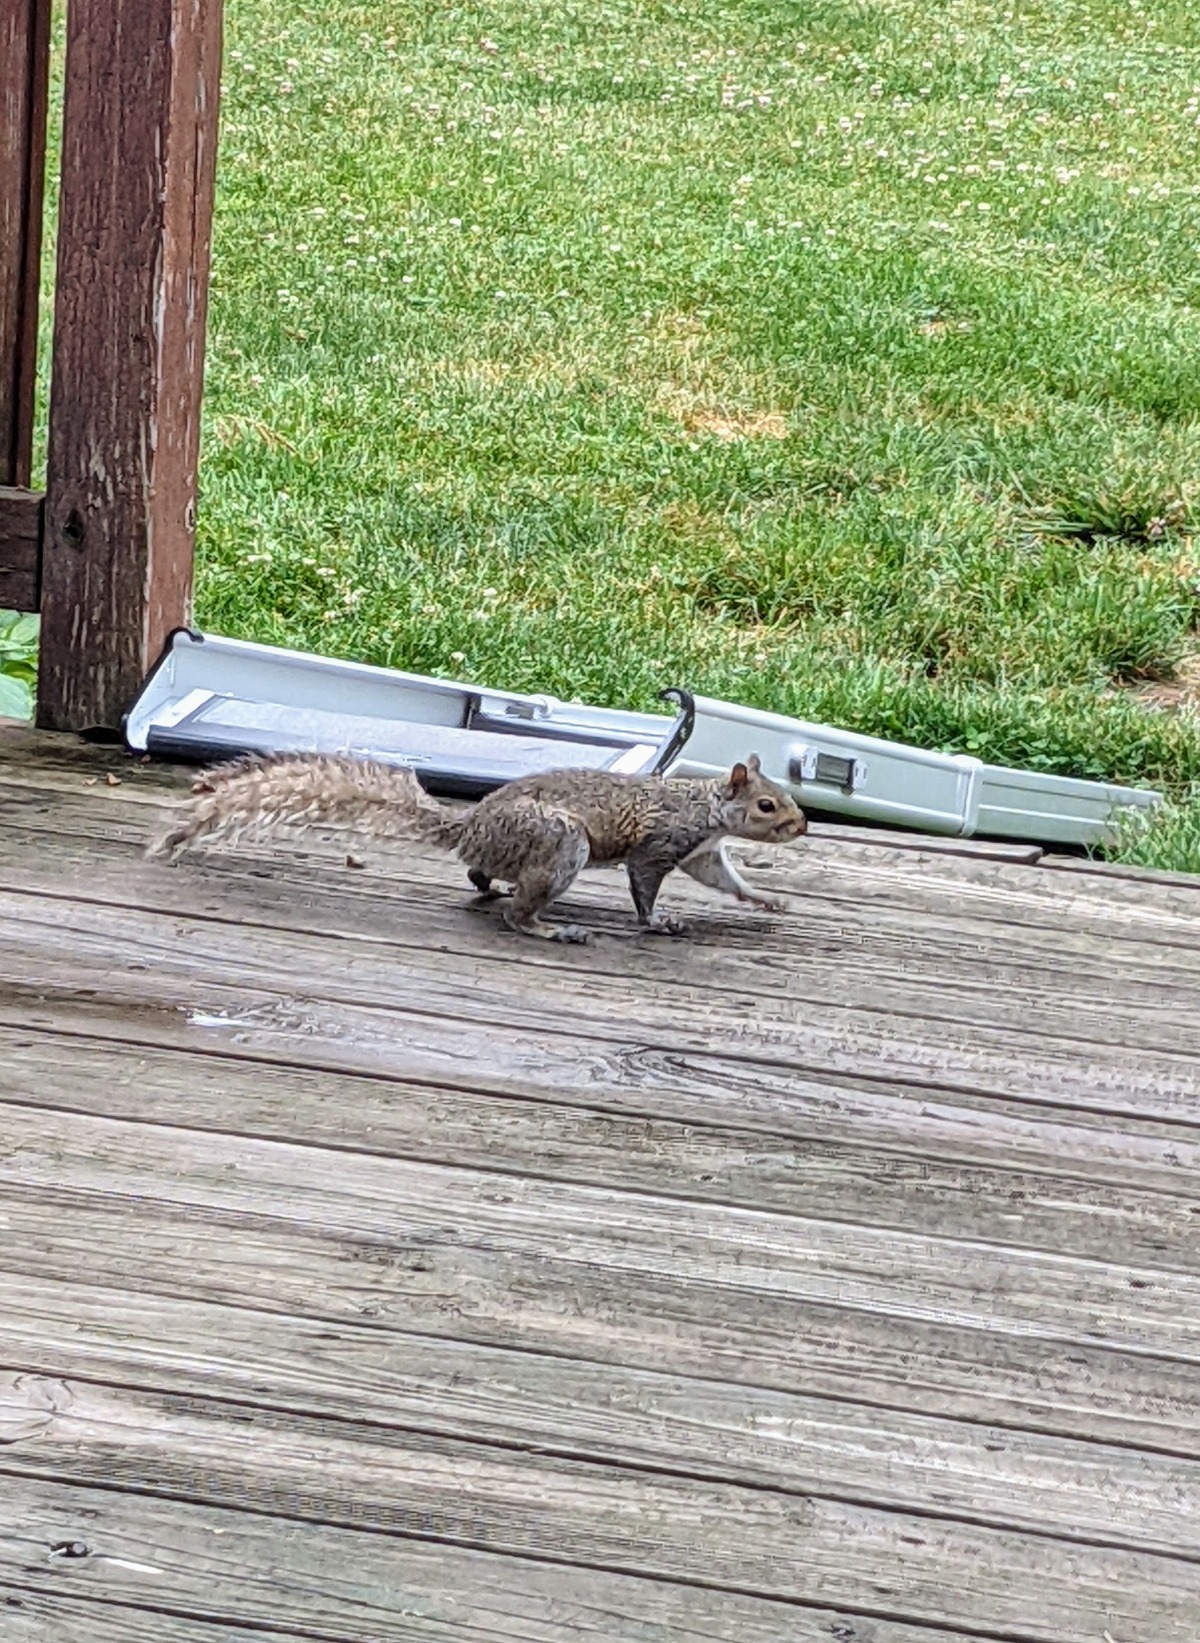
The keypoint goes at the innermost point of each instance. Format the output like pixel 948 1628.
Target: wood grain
pixel 787 1339
pixel 160 1560
pixel 24 77
pixel 140 104
pixel 1040 1184
pixel 29 756
pixel 456 1253
pixel 36 1617
pixel 102 856
pixel 961 1282
pixel 627 1074
pixel 364 1275
pixel 1109 899
pixel 608 1414
pixel 833 869
pixel 888 838
pixel 967 909
pixel 1101 967
pixel 1019 1043
pixel 997 888
pixel 1139 877
pixel 21 527
pixel 796 1548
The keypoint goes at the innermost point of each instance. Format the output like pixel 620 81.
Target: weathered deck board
pixel 398 910
pixel 961 1036
pixel 260 1029
pixel 720 1536
pixel 1042 1185
pixel 1161 910
pixel 849 895
pixel 974 1284
pixel 234 1568
pixel 583 1410
pixel 806 1341
pixel 940 1341
pixel 1096 992
pixel 36 1617
pixel 257 1029
pixel 367 1273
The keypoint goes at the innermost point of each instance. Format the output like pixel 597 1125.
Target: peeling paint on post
pixel 135 215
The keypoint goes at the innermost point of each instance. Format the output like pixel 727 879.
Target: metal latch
pixel 810 764
pixel 537 707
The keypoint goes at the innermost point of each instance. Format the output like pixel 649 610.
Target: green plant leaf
pixel 19 630
pixel 16 698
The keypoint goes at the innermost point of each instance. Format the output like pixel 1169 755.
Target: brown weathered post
pixel 24 72
pixel 135 214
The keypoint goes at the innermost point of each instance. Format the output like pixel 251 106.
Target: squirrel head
pixel 757 808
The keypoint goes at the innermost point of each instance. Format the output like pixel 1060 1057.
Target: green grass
pixel 840 358
pixel 1172 839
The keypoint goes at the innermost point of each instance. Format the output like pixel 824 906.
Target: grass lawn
pixel 839 358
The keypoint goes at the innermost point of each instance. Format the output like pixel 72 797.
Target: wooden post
pixel 135 214
pixel 24 74
pixel 20 548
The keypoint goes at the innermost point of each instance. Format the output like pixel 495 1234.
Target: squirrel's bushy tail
pixel 309 790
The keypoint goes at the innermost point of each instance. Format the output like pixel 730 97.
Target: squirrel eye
pixel 766 806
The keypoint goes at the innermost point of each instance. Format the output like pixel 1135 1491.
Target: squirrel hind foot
pixel 532 925
pixel 576 934
pixel 663 924
pixel 168 846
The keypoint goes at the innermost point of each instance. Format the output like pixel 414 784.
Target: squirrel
pixel 535 833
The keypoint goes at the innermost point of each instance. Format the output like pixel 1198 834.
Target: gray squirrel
pixel 535 833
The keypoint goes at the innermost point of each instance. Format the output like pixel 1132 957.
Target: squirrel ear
pixel 738 777
pixel 754 764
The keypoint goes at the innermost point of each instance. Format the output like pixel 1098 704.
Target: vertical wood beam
pixel 24 76
pixel 20 548
pixel 135 217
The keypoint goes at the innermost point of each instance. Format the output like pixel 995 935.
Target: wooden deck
pixel 368 1273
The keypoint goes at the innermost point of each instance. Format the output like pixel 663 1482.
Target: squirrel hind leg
pixel 542 880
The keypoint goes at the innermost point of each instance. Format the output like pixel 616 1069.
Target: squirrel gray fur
pixel 535 833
